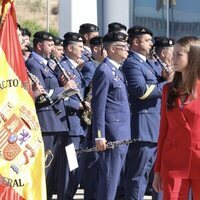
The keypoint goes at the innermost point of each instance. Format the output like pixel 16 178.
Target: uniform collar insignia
pixel 46 69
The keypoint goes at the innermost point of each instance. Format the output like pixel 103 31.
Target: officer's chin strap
pixel 102 48
pixel 109 145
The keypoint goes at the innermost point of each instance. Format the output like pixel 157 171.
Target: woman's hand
pixel 157 182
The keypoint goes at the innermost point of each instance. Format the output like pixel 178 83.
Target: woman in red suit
pixel 177 166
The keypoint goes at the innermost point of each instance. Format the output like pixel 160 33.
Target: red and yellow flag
pixel 22 174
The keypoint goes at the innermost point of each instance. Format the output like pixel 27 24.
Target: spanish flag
pixel 22 173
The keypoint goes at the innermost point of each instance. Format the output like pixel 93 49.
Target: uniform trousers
pixel 120 194
pixel 179 189
pixel 90 170
pixel 139 163
pixel 90 176
pixel 111 163
pixel 51 143
pixel 68 181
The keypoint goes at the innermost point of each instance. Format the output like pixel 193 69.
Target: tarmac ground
pixel 80 192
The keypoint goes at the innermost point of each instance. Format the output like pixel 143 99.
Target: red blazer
pixel 179 139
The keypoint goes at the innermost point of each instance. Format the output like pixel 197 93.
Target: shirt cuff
pixel 97 139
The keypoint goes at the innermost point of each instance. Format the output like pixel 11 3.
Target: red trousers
pixel 178 189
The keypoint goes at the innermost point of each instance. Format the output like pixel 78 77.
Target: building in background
pixel 73 13
pixel 173 18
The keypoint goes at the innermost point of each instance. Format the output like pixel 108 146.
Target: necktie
pixel 124 77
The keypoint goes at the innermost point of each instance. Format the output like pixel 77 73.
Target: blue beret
pixel 73 37
pixel 115 37
pixel 163 42
pixel 87 28
pixel 43 35
pixel 139 30
pixel 115 26
pixel 98 40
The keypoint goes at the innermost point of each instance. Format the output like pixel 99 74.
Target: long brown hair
pixel 177 88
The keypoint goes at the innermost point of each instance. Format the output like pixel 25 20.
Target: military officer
pixel 145 84
pixel 111 114
pixel 98 54
pixel 118 27
pixel 73 49
pixel 90 166
pixel 26 35
pixel 88 31
pixel 19 33
pixel 26 50
pixel 52 125
pixel 164 47
pixel 58 48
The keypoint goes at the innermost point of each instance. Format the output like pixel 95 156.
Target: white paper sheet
pixel 71 157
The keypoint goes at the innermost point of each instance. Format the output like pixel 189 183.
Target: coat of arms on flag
pixel 17 143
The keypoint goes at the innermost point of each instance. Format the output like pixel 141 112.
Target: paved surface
pixel 79 196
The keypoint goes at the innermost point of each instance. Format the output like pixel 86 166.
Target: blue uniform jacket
pixel 88 71
pixel 145 87
pixel 77 126
pixel 49 121
pixel 86 56
pixel 110 105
